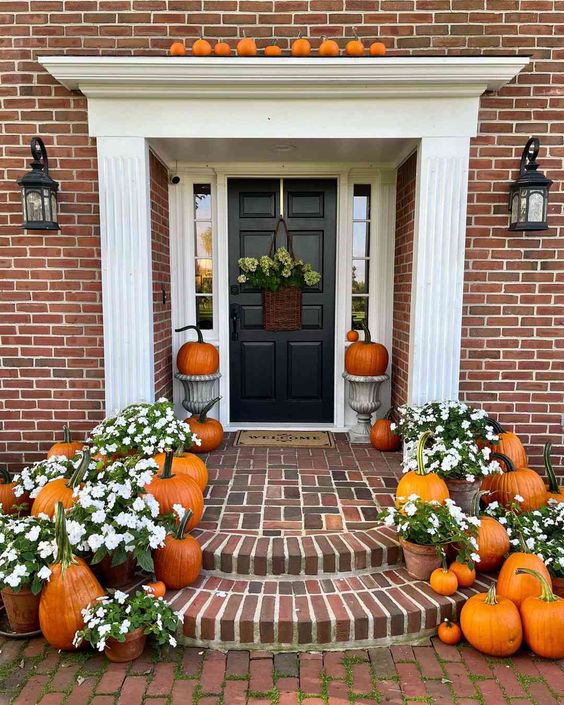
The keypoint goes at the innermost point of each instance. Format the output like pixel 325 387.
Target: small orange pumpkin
pixel 186 464
pixel 553 489
pixel 222 49
pixel 177 49
pixel 443 581
pixel 354 47
pixel 197 358
pixel 61 491
pixel 464 574
pixel 352 336
pixel 543 619
pixel 382 437
pixel 8 500
pixel 272 49
pixel 426 485
pixel 449 632
pixel 377 49
pixel 246 46
pixel 201 47
pixel 67 447
pixel 521 481
pixel 209 431
pixel 300 46
pixel 365 358
pixel 156 589
pixel 178 563
pixel 517 587
pixel 329 47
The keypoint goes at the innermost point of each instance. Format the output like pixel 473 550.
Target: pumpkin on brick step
pixel 8 500
pixel 61 490
pixel 67 447
pixel 466 575
pixel 186 464
pixel 197 358
pixel 543 619
pixel 209 431
pixel 517 587
pixel 382 437
pixel 426 485
pixel 553 489
pixel 70 589
pixel 178 563
pixel 509 444
pixel 365 358
pixel 170 489
pixel 444 581
pixel 523 482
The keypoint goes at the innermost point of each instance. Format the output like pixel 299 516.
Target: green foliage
pixel 271 273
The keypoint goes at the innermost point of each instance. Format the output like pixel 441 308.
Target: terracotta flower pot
pixel 118 575
pixel 558 586
pixel 22 609
pixel 128 650
pixel 462 493
pixel 420 561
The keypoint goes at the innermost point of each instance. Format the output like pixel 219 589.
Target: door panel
pixel 284 375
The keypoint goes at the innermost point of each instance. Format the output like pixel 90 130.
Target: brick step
pixel 372 609
pixel 316 554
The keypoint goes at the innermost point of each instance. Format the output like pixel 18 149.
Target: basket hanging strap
pixel 281 222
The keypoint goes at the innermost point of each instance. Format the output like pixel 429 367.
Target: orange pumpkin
pixel 510 445
pixel 272 50
pixel 443 581
pixel 492 538
pixel 169 489
pixel 246 46
pixel 156 589
pixel 543 619
pixel 222 49
pixel 177 49
pixel 197 358
pixel 70 589
pixel 8 500
pixel 178 563
pixel 382 437
pixel 522 481
pixel 491 624
pixel 377 49
pixel 354 47
pixel 209 431
pixel 517 587
pixel 553 489
pixel 201 47
pixel 186 464
pixel 449 632
pixel 426 485
pixel 300 46
pixel 352 336
pixel 329 47
pixel 61 491
pixel 67 447
pixel 465 575
pixel 365 358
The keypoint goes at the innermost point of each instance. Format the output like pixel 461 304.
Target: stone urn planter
pixel 128 650
pixel 364 398
pixel 22 610
pixel 463 493
pixel 420 561
pixel 199 390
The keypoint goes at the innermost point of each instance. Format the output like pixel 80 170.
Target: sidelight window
pixel 360 254
pixel 203 252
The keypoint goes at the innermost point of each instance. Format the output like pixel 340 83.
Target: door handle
pixel 234 313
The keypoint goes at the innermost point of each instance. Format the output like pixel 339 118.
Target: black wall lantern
pixel 39 191
pixel 528 195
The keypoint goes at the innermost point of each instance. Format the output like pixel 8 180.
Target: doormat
pixel 286 439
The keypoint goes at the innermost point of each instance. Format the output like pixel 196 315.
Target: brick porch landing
pixel 294 556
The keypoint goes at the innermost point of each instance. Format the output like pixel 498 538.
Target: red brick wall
pixel 161 278
pixel 403 270
pixel 53 323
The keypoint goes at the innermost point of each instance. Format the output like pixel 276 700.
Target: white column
pixel 438 269
pixel 127 296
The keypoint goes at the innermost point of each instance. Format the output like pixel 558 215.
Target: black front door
pixel 282 376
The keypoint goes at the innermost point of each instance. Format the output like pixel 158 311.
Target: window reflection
pixel 203 249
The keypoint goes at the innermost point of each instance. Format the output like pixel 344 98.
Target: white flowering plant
pixel 114 617
pixel 114 516
pixel 27 549
pixel 31 479
pixel 272 273
pixel 539 531
pixel 454 452
pixel 435 524
pixel 144 429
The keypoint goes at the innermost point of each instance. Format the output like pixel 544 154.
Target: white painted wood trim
pixel 438 269
pixel 127 281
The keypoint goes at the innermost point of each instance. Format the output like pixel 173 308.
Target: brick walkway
pixel 33 674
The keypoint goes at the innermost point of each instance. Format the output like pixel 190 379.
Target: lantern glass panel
pixel 53 207
pixel 515 208
pixel 536 207
pixel 523 205
pixel 34 206
pixel 47 203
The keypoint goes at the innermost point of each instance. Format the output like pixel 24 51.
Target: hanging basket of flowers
pixel 281 278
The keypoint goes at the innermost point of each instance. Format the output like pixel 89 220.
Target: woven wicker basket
pixel 282 309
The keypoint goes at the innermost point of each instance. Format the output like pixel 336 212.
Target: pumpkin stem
pixel 78 475
pixel 196 328
pixel 179 452
pixel 181 530
pixel 522 545
pixel 552 482
pixel 64 551
pixel 67 438
pixel 355 32
pixel 491 597
pixel 367 336
pixel 5 476
pixel 167 469
pixel 203 417
pixel 421 443
pixel 389 415
pixel 508 462
pixel 497 427
pixel 476 502
pixel 546 590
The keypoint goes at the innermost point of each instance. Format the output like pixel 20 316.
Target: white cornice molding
pixel 283 77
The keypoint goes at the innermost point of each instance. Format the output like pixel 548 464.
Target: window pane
pixel 361 202
pixel 360 239
pixel 204 276
pixel 204 240
pixel 359 311
pixel 204 312
pixel 360 276
pixel 202 201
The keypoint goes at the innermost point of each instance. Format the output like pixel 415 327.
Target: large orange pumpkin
pixel 186 464
pixel 67 447
pixel 61 490
pixel 365 358
pixel 521 481
pixel 553 489
pixel 492 624
pixel 197 358
pixel 382 437
pixel 329 47
pixel 517 587
pixel 178 563
pixel 209 431
pixel 70 589
pixel 509 444
pixel 543 619
pixel 427 485
pixel 169 489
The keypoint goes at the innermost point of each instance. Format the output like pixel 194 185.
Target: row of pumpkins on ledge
pixel 300 47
